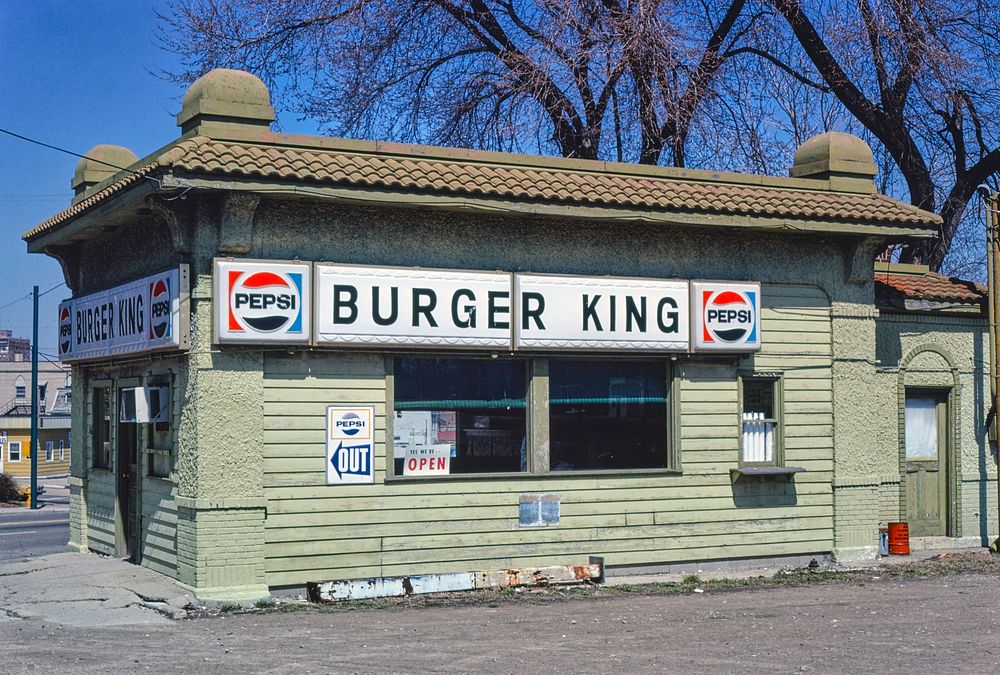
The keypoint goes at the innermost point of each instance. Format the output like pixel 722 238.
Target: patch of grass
pixel 691 581
pixel 228 607
pixel 264 603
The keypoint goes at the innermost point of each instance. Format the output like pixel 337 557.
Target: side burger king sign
pixel 145 315
pixel 725 316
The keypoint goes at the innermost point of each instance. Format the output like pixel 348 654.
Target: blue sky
pixel 72 74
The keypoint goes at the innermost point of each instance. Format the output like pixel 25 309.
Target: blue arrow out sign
pixel 353 460
pixel 350 445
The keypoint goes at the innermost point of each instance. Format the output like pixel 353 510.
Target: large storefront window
pixel 607 414
pixel 459 416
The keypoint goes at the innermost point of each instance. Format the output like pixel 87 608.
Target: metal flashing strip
pixel 389 587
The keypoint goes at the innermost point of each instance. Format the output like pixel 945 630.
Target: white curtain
pixel 758 438
pixel 921 427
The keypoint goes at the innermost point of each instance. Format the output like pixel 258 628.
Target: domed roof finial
pixel 843 159
pixel 99 163
pixel 224 98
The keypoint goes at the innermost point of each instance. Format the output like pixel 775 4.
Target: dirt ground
pixel 941 616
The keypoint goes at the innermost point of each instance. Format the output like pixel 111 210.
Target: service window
pixel 14 451
pixel 760 442
pixel 159 440
pixel 608 414
pixel 459 416
pixel 101 427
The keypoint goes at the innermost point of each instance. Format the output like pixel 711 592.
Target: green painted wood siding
pixel 315 531
pixel 159 526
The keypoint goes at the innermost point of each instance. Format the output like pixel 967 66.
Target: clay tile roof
pixel 494 174
pixel 891 288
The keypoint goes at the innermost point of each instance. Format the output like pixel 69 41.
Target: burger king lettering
pixel 364 305
pixel 143 315
pixel 359 305
pixel 598 313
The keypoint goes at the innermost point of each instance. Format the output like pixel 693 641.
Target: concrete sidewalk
pixel 85 589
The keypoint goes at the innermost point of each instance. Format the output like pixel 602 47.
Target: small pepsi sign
pixel 725 316
pixel 350 444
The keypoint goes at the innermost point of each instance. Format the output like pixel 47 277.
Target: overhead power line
pixel 68 152
pixel 28 296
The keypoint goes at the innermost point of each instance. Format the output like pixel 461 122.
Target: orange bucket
pixel 899 539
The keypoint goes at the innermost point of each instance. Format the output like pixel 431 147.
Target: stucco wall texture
pixel 219 460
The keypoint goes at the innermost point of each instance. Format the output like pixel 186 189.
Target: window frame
pixel 108 387
pixel 672 465
pixel 778 398
pixel 50 451
pixel 537 416
pixel 390 417
pixel 147 440
pixel 20 451
pixel 62 450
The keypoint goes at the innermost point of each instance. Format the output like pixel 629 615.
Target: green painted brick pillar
pixel 220 502
pixel 861 453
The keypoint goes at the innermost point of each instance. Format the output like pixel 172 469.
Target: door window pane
pixel 607 414
pixel 101 428
pixel 459 416
pixel 921 428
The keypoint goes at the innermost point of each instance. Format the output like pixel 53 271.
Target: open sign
pixel 428 460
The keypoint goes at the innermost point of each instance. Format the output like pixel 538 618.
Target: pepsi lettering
pixel 729 315
pixel 265 300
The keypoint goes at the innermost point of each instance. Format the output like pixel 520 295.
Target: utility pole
pixel 992 203
pixel 993 238
pixel 34 401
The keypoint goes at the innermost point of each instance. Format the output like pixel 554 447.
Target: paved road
pixel 25 533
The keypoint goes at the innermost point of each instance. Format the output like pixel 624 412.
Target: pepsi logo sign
pixel 727 316
pixel 159 309
pixel 349 445
pixel 65 329
pixel 350 423
pixel 261 302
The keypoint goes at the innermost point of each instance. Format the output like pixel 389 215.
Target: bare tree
pixel 921 77
pixel 497 74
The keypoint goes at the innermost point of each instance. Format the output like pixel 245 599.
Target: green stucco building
pixel 301 359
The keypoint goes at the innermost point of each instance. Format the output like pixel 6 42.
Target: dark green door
pixel 926 419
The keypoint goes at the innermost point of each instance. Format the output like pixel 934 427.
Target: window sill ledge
pixel 550 475
pixel 765 472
